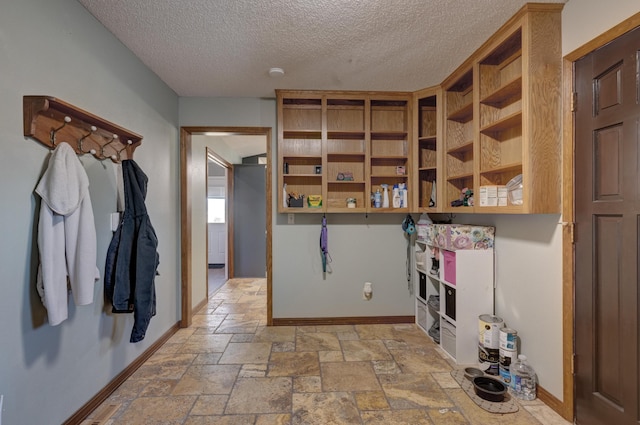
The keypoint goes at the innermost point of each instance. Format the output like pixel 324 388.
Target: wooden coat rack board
pixel 52 121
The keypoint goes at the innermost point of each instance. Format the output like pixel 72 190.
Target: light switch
pixel 291 219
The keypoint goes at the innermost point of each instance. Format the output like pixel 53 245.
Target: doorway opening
pixel 219 174
pixel 193 171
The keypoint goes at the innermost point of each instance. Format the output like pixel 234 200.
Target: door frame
pixel 567 407
pixel 228 223
pixel 186 177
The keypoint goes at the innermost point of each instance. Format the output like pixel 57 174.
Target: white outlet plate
pixel 291 218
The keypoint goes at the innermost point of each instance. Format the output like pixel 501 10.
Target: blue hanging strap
pixel 324 245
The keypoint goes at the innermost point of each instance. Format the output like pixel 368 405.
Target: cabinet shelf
pixel 346 182
pixel 346 210
pixel 302 156
pixel 462 115
pixel 450 320
pixel 459 176
pixel 510 121
pixel 350 135
pixel 464 147
pixel 388 210
pixel 344 154
pixel 389 135
pixel 505 95
pixel 431 138
pixel 389 176
pixel 382 157
pixel 302 134
pixel 515 167
pixel 427 168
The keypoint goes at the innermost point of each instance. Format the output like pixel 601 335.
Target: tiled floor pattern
pixel 217 277
pixel 229 368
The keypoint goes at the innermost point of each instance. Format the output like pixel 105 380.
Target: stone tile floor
pixel 230 368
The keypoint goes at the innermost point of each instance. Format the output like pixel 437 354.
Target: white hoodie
pixel 66 234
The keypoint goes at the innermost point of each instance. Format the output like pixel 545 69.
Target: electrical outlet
pixel 291 219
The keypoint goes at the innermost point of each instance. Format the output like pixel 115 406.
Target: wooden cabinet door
pixel 607 205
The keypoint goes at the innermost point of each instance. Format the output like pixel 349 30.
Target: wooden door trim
pixel 186 177
pixel 567 408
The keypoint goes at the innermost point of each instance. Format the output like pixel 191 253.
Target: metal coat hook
pixel 91 131
pixel 55 130
pixel 113 139
pixel 116 156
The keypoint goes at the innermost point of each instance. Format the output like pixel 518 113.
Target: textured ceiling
pixel 226 47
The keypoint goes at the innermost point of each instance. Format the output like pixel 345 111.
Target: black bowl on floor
pixel 489 389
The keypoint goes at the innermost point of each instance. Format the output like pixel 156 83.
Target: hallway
pixel 229 368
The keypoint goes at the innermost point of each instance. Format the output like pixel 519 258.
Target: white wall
pixel 55 47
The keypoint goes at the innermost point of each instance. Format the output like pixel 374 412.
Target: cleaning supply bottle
pixel 377 199
pixel 285 204
pixel 385 195
pixel 523 379
pixel 396 197
pixel 403 195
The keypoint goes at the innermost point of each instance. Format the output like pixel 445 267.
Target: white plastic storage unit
pixel 463 282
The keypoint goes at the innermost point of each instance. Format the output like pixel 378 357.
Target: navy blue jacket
pixel 132 258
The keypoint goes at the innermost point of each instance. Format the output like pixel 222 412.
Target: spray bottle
pixel 385 195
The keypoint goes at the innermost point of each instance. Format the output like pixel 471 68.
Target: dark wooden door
pixel 607 206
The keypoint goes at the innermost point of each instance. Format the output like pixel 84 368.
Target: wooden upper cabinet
pixel 496 118
pixel 512 127
pixel 343 146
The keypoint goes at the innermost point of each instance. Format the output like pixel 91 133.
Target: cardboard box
pixel 490 195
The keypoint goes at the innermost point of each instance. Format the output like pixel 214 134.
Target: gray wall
pixel 55 47
pixel 249 218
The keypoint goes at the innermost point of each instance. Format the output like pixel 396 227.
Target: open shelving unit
pixel 300 148
pixel 459 138
pixel 464 285
pixel 357 140
pixel 494 118
pixel 427 149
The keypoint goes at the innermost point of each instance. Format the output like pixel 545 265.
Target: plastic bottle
pixel 523 379
pixel 385 195
pixel 403 196
pixel 396 196
pixel 377 199
pixel 285 204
